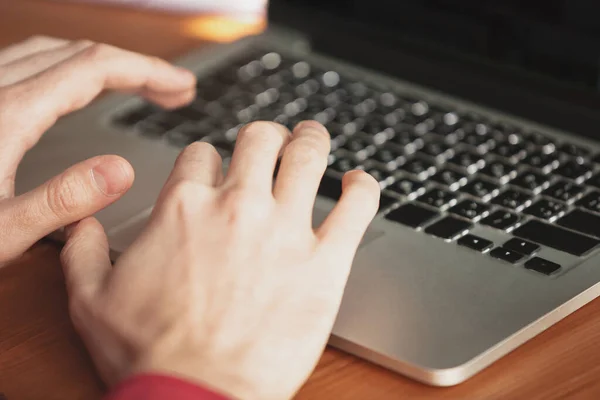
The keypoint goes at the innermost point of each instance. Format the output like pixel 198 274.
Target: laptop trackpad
pixel 319 215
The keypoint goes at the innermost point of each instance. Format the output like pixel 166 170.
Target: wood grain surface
pixel 41 357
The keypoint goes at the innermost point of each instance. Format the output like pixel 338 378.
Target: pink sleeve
pixel 161 387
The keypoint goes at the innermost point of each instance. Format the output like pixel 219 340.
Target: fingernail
pixel 311 125
pixel 111 177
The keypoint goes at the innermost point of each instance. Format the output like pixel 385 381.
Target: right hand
pixel 228 285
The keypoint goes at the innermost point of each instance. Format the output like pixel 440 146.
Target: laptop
pixel 478 118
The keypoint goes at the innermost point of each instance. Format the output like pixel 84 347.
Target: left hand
pixel 43 79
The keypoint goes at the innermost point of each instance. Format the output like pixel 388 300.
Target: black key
pixel 542 266
pixel 421 168
pixel 590 201
pixel 541 160
pixel 383 177
pixel 564 190
pixel 545 209
pixel 404 138
pixel 476 140
pixel 412 215
pixel 450 178
pixel 386 201
pixel 573 150
pixel 530 180
pixel 512 199
pixel 448 228
pixel 190 113
pixel 506 255
pixel 538 139
pixel 407 187
pixel 469 209
pixel 501 220
pixel 574 170
pixel 224 147
pixel 344 165
pixel 468 160
pixel 499 170
pixel 475 243
pixel 132 117
pixel 594 181
pixel 521 246
pixel 556 237
pixel 596 158
pixel 581 221
pixel 480 188
pixel 331 187
pixel 509 150
pixel 436 149
pixel 390 157
pixel 210 90
pixel 437 198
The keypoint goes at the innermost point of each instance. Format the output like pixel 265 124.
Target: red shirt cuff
pixel 161 387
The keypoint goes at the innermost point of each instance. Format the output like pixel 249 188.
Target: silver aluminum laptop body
pixel 418 305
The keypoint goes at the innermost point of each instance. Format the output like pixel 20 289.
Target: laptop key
pixel 499 170
pixel 573 150
pixel 450 178
pixel 383 177
pixel 422 169
pixel 502 220
pixel 556 237
pixel 594 181
pixel 412 215
pixel 581 221
pixel 475 243
pixel 542 161
pixel 469 209
pixel 480 189
pixel 386 202
pixel 390 157
pixel 468 160
pixel 530 180
pixel 521 246
pixel 343 165
pixel 574 170
pixel 542 266
pixel 448 228
pixel 507 255
pixel 564 190
pixel 545 209
pixel 437 198
pixel 590 201
pixel 331 188
pixel 509 151
pixel 407 187
pixel 512 199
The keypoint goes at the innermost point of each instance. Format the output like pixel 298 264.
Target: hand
pixel 43 79
pixel 228 285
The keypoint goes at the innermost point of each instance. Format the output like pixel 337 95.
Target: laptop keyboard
pixel 440 171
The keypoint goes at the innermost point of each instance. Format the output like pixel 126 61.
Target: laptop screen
pixel 553 39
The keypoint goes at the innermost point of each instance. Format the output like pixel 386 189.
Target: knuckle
pixel 62 196
pixel 184 197
pixel 98 51
pixel 245 208
pixel 83 44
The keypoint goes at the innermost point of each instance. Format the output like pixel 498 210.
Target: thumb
pixel 85 258
pixel 79 192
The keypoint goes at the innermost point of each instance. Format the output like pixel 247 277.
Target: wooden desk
pixel 42 358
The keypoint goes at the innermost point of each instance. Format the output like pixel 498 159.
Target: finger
pixel 30 46
pixel 37 62
pixel 302 166
pixel 345 226
pixel 85 258
pixel 79 192
pixel 255 156
pixel 74 83
pixel 199 162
